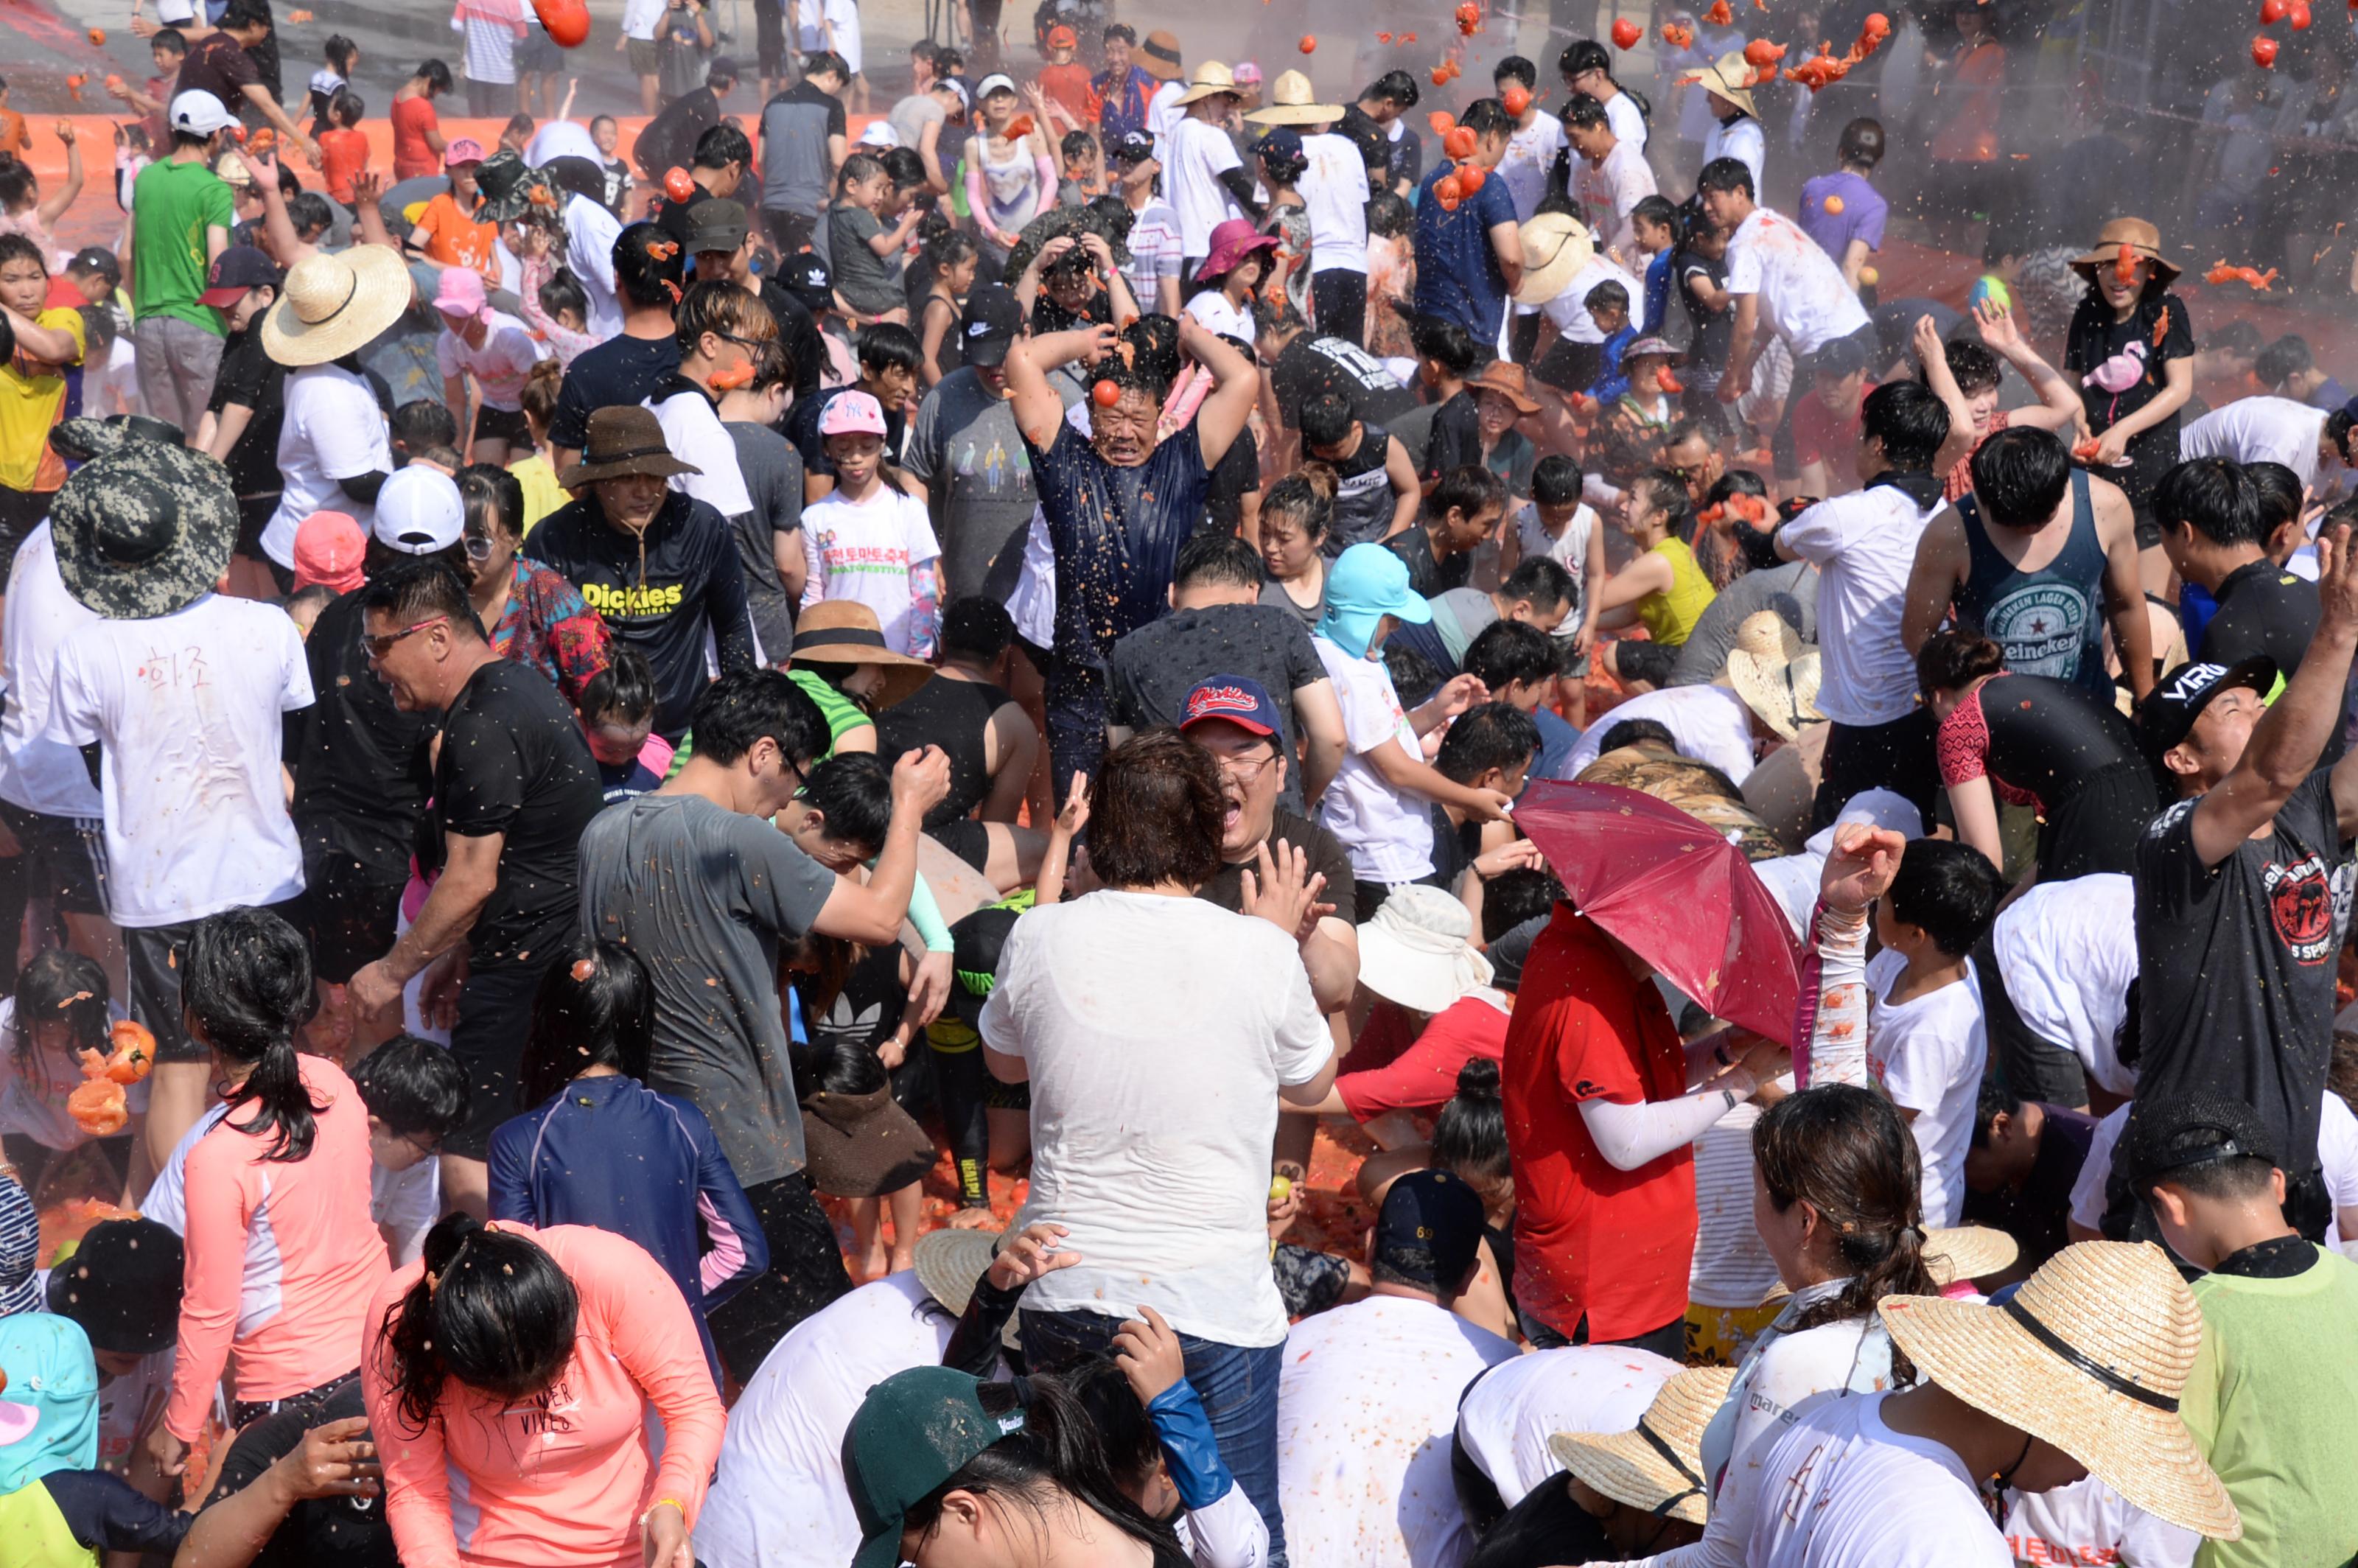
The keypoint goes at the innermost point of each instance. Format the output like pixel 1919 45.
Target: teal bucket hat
pixel 48 1411
pixel 1366 583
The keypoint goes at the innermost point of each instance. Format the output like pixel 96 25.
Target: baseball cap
pixel 235 270
pixel 419 512
pixel 975 942
pixel 1131 147
pixel 2180 697
pixel 466 149
pixel 1060 37
pixel 2168 1133
pixel 100 260
pixel 1430 1229
pixel 461 293
pixel 991 323
pixel 329 550
pixel 1283 141
pixel 806 277
pixel 1842 357
pixel 199 114
pixel 121 1284
pixel 1366 583
pixel 914 1431
pixel 1239 699
pixel 851 414
pixel 716 223
pixel 879 134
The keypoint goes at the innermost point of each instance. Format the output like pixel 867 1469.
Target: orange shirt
pixel 342 154
pixel 13 137
pixel 412 118
pixel 452 239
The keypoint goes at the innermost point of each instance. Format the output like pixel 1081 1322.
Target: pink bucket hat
pixel 328 548
pixel 461 292
pixel 851 414
pixel 1231 242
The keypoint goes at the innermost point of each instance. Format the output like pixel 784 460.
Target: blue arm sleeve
pixel 509 1173
pixel 1186 1429
pixel 926 916
pixel 105 1515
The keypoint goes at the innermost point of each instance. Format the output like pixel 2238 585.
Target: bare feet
pixel 973 1219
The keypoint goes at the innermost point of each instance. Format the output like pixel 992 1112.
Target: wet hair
pixel 1486 117
pixel 594 1007
pixel 978 627
pixel 726 310
pixel 345 107
pixel 853 791
pixel 1414 677
pixel 435 75
pixel 1153 362
pixel 857 169
pixel 1390 215
pixel 2287 356
pixel 18 248
pixel 888 345
pixel 59 985
pixel 1447 343
pixel 1584 112
pixel 624 691
pixel 1669 492
pixel 721 146
pixel 1469 1134
pixel 1862 143
pixel 414 1087
pixel 1910 421
pixel 1305 496
pixel 1283 167
pixel 2338 426
pixel 1948 889
pixel 97 330
pixel 561 291
pixel 339 51
pixel 492 1309
pixel 1494 735
pixel 1155 813
pixel 245 988
pixel 1636 732
pixel 1606 295
pixel 1468 490
pixel 1757 544
pixel 1844 1151
pixel 1325 419
pixel 742 708
pixel 949 248
pixel 826 63
pixel 1123 31
pixel 1076 144
pixel 1132 1449
pixel 1539 582
pixel 649 266
pixel 1725 174
pixel 2020 475
pixel 2213 496
pixel 1556 481
pixel 1951 661
pixel 1657 210
pixel 1516 69
pixel 1213 559
pixel 495 498
pixel 1586 55
pixel 419 587
pixel 423 422
pixel 1508 652
pixel 1997 1098
pixel 1272 317
pixel 2280 493
pixel 1509 899
pixel 1972 366
pixel 1394 86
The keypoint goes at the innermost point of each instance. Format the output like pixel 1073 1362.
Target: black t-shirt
pixel 2035 1216
pixel 350 1532
pixel 1328 858
pixel 2048 737
pixel 1238 476
pixel 514 763
pixel 669 140
pixel 2236 963
pixel 1311 367
pixel 1152 668
pixel 1427 577
pixel 620 371
pixel 2263 608
pixel 2159 331
pixel 1455 845
pixel 360 762
pixel 1457 439
pixel 251 379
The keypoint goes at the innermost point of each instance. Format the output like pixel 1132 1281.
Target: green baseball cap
pixel 914 1431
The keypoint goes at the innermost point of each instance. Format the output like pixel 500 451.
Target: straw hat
pixel 1774 673
pixel 1292 102
pixel 950 1263
pixel 1418 951
pixel 2090 1355
pixel 1210 77
pixel 1508 379
pixel 845 632
pixel 336 303
pixel 1556 246
pixel 1730 78
pixel 1658 1467
pixel 1158 56
pixel 2143 240
pixel 1968 1251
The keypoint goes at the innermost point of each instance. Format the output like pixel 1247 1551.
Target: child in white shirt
pixel 866 540
pixel 1560 527
pixel 416 1095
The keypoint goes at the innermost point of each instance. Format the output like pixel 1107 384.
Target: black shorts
pixel 536 54
pixel 494 1008
pixel 156 956
pixel 253 515
pixel 352 913
pixel 968 839
pixel 63 859
pixel 502 425
pixel 806 1273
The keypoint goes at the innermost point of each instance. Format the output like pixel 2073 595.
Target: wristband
pixel 664 1503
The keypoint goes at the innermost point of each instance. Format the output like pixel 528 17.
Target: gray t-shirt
pixel 970 456
pixel 871 282
pixel 1791 590
pixel 703 895
pixel 795 126
pixel 773 471
pixel 911 114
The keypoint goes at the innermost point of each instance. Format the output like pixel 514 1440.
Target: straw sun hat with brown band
pixel 845 632
pixel 2091 1356
pixel 1656 1467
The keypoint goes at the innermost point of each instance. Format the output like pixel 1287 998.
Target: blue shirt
pixel 1457 274
pixel 1557 737
pixel 1612 385
pixel 1658 290
pixel 1122 105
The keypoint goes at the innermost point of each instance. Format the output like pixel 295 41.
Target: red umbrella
pixel 1675 892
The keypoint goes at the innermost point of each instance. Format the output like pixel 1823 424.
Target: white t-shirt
pixel 167 1202
pixel 130 1401
pixel 2089 1200
pixel 1212 310
pixel 1568 550
pixel 1804 298
pixel 2087 1522
pixel 1157 1032
pixel 187 707
pixel 693 431
pixel 1163 112
pixel 332 429
pixel 1333 187
pixel 1506 1419
pixel 779 1494
pixel 2067 951
pixel 1742 140
pixel 1531 152
pixel 1568 309
pixel 407 1203
pixel 2258 430
pixel 1709 723
pixel 639 18
pixel 1732 1267
pixel 1621 113
pixel 865 551
pixel 1366 1403
pixel 34 1085
pixel 562 138
pixel 1608 193
pixel 500 366
pixel 1863 545
pixel 1928 1056
pixel 1856 1493
pixel 1200 153
pixel 36 773
pixel 590 232
pixel 1388 831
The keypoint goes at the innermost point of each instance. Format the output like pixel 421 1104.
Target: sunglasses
pixel 380 645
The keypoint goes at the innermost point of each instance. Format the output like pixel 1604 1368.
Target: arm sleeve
pixel 417 1475
pixel 724 600
pixel 974 1344
pixel 1963 742
pixel 106 1515
pixel 926 914
pixel 654 1338
pixel 212 1275
pixel 1629 1136
pixel 1184 1429
pixel 1226 1534
pixel 740 1253
pixel 509 1173
pixel 1832 1017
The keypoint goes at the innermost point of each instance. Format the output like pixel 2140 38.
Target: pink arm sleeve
pixel 976 201
pixel 718 1266
pixel 218 1212
pixel 416 1481
pixel 648 1326
pixel 1047 170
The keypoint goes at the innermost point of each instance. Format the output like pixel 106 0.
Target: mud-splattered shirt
pixel 1116 533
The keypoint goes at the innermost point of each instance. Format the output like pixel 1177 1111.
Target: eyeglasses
pixel 379 646
pixel 1246 769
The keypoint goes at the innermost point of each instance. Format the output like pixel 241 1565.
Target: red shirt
pixel 1960 483
pixel 1425 1077
pixel 412 118
pixel 1592 1240
pixel 343 155
pixel 1069 85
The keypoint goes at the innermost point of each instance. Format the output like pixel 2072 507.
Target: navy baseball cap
pixel 993 321
pixel 1239 699
pixel 805 277
pixel 1137 147
pixel 1430 1230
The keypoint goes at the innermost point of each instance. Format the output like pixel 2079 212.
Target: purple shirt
pixel 1861 218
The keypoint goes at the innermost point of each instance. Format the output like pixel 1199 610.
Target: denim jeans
pixel 1239 1387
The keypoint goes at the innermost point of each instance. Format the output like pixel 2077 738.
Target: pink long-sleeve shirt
pixel 281 1256
pixel 562 1478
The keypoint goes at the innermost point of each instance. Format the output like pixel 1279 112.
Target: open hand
pixel 336 1460
pixel 1286 892
pixel 1860 871
pixel 1028 1257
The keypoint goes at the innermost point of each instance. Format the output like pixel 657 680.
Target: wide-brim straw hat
pixel 2143 240
pixel 1658 1467
pixel 846 631
pixel 336 303
pixel 1731 77
pixel 1158 56
pixel 1556 246
pixel 1210 77
pixel 1968 1251
pixel 2091 1356
pixel 1292 101
pixel 624 438
pixel 950 1263
pixel 1774 673
pixel 1510 380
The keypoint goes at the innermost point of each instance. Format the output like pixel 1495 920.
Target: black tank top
pixel 953 715
pixel 2049 622
pixel 1363 494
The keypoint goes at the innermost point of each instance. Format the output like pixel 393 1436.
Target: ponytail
pixel 245 988
pixel 492 1309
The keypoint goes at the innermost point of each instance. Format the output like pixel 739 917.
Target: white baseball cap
pixel 199 114
pixel 419 512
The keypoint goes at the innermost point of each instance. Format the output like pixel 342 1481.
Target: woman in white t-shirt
pixel 1229 278
pixel 866 540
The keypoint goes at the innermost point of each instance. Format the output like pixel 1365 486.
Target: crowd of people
pixel 1593 896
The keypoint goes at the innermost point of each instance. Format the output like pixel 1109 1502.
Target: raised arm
pixel 2059 402
pixel 1038 409
pixel 55 206
pixel 1932 357
pixel 1932 582
pixel 1237 384
pixel 871 913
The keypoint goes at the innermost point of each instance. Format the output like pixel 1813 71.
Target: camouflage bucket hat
pixel 511 190
pixel 88 435
pixel 144 530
